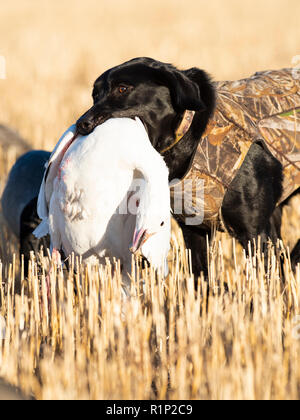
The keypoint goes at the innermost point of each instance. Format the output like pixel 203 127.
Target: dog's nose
pixel 84 126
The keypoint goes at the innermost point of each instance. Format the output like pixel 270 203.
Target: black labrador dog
pixel 159 94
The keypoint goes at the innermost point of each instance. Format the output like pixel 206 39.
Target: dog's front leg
pixel 249 206
pixel 196 240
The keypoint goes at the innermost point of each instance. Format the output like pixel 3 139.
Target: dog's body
pixel 262 110
pixel 19 200
pixel 160 95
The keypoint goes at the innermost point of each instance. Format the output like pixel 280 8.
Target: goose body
pixel 87 201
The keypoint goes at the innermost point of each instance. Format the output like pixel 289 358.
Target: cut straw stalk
pixel 231 338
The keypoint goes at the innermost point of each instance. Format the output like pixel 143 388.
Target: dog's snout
pixel 85 126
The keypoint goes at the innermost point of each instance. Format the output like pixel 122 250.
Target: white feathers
pixel 51 171
pixel 42 229
pixel 84 200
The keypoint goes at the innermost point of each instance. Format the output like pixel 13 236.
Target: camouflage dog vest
pixel 265 108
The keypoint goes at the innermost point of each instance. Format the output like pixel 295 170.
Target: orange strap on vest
pixel 182 129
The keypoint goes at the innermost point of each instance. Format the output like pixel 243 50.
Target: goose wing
pixel 51 169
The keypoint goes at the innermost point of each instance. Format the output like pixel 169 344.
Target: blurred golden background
pixel 54 50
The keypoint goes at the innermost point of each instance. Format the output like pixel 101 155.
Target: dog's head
pixel 158 94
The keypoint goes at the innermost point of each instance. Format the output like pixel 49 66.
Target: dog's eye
pixel 122 89
pixel 162 224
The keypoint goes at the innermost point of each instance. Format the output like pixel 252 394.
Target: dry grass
pixel 234 339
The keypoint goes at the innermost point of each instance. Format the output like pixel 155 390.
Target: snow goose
pixel 88 200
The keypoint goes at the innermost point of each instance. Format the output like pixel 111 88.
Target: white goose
pixel 85 196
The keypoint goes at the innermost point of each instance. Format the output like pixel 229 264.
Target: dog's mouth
pixel 84 126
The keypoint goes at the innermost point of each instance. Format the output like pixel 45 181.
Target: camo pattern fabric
pixel 265 107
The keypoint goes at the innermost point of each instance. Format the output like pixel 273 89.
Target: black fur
pixel 252 197
pixel 28 242
pixel 295 255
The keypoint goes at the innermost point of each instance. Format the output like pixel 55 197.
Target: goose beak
pixel 139 238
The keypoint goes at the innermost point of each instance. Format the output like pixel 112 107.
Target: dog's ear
pixel 185 93
pixel 206 88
